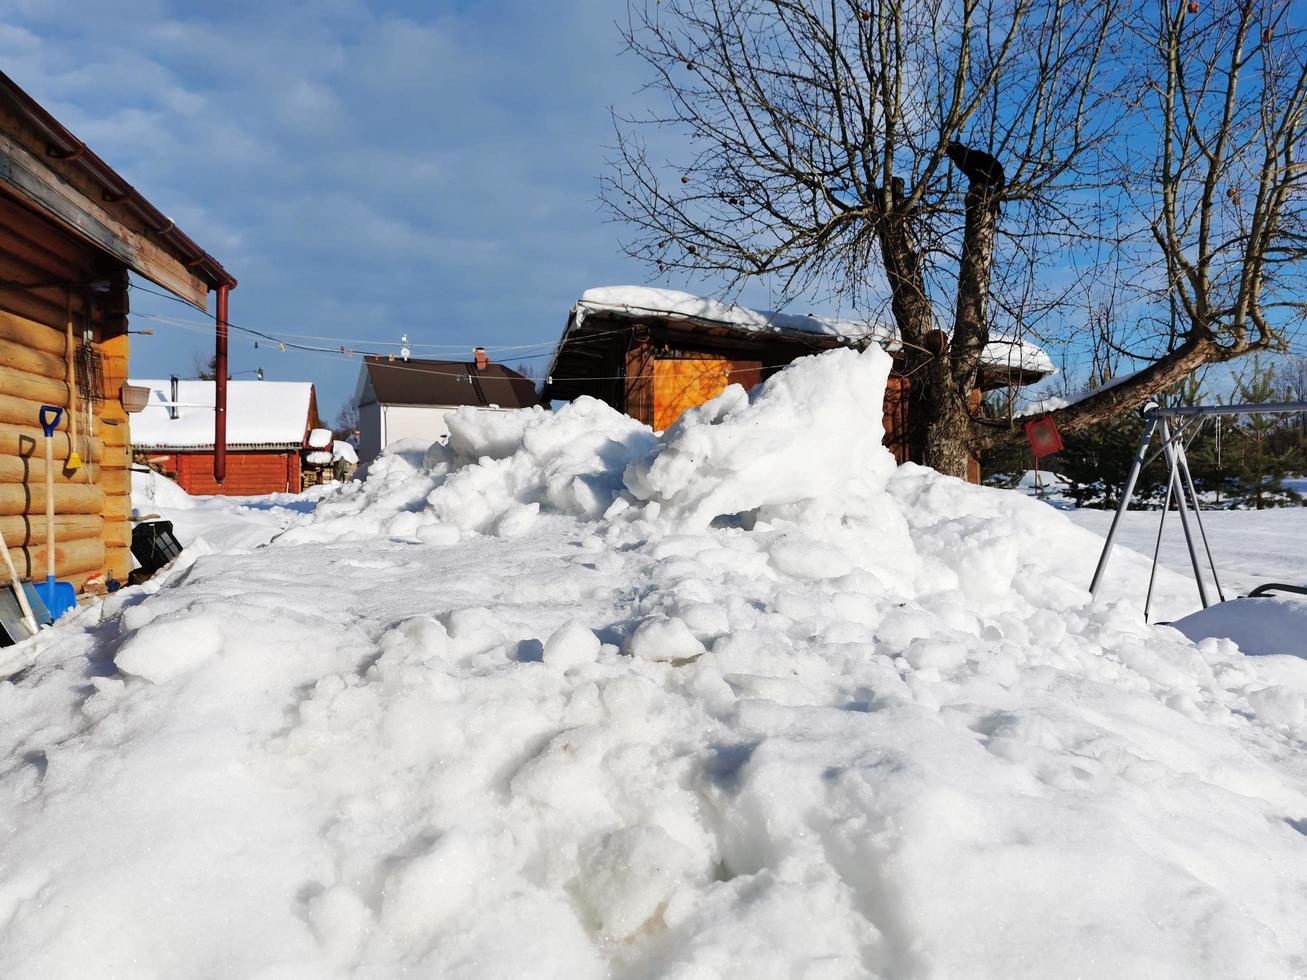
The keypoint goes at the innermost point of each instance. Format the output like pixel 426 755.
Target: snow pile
pixel 1262 626
pixel 552 701
pixel 788 452
pixel 784 454
pixel 320 438
pixel 153 492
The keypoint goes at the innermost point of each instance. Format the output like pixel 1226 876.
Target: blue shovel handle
pixel 50 417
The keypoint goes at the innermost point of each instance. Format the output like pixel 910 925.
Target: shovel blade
pixel 58 597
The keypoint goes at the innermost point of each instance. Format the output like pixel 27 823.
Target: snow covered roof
pixel 647 299
pixel 264 414
pixel 1001 352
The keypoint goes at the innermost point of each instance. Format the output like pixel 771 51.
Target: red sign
pixel 1043 435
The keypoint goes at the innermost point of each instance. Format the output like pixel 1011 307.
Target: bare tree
pixel 204 366
pixel 347 422
pixel 958 163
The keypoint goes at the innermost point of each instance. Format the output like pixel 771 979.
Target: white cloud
pixel 363 171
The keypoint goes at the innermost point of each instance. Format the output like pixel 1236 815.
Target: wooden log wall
pixel 48 275
pixel 249 472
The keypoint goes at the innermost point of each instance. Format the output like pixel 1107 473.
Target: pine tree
pixel 1259 456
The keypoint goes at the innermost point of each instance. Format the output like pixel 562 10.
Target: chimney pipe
pixel 220 389
pixel 482 360
pixel 172 409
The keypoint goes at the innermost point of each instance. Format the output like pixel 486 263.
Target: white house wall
pixel 384 425
pixel 424 422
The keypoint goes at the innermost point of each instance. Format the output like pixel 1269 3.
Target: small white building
pixel 409 399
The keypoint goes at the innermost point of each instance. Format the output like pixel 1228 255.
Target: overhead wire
pixel 391 365
pixel 282 336
pixel 542 348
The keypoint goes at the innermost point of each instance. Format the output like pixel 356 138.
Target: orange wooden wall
pixel 248 473
pixel 688 381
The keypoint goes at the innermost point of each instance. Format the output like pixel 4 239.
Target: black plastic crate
pixel 154 544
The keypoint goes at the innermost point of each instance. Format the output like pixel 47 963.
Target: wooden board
pixel 22 357
pixel 70 499
pixel 896 416
pixel 687 382
pixel 71 558
pixel 640 383
pixel 29 529
pixel 30 178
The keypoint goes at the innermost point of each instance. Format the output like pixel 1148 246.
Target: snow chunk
pixel 664 638
pixel 629 876
pixel 571 645
pixel 168 648
pixel 320 438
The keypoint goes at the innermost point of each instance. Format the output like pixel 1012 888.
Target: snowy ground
pixel 222 523
pixel 568 700
pixel 1249 547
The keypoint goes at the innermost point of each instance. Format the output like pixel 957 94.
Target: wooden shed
pixel 268 425
pixel 653 353
pixel 71 230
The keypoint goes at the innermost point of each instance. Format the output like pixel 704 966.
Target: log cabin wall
pixel 46 279
pixel 249 472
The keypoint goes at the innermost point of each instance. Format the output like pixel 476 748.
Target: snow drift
pixel 568 698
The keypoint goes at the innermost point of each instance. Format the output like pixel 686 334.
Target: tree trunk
pixel 952 419
pixel 946 421
pixel 942 415
pixel 933 432
pixel 971 321
pixel 1110 403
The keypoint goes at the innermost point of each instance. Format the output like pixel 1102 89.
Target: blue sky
pixel 365 169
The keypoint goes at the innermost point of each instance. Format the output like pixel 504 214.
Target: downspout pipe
pixel 220 388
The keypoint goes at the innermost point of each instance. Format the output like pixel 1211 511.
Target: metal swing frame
pixel 1189 420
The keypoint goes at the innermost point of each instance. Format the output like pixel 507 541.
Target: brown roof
pixel 415 382
pixel 65 149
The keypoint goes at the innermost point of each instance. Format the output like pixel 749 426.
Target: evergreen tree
pixel 1259 455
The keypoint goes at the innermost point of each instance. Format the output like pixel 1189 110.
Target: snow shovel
pixel 58 597
pixel 21 611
